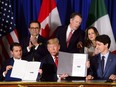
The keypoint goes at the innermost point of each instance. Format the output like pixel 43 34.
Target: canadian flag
pixel 49 18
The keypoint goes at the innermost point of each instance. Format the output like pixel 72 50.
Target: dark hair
pixel 14 44
pixel 75 14
pixel 35 22
pixel 87 41
pixel 105 39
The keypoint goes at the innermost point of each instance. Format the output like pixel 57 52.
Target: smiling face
pixel 91 35
pixel 103 43
pixel 34 29
pixel 17 52
pixel 101 47
pixel 75 22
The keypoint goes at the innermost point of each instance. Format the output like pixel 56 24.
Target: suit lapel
pixel 64 37
pixel 108 63
pixel 99 67
pixel 64 33
pixel 51 59
pixel 11 61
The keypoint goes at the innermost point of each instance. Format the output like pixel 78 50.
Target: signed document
pixel 74 64
pixel 25 70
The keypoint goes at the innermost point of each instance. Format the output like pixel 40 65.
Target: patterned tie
pixel 56 61
pixel 69 37
pixel 102 64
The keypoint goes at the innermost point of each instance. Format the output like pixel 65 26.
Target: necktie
pixel 33 50
pixel 69 37
pixel 56 61
pixel 102 64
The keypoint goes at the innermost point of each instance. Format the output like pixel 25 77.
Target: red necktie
pixel 56 61
pixel 69 37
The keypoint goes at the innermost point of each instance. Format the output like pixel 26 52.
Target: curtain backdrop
pixel 28 10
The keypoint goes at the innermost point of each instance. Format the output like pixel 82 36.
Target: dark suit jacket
pixel 110 67
pixel 77 36
pixel 49 69
pixel 10 61
pixel 36 54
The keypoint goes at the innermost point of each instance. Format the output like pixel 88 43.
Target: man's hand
pixel 7 68
pixel 79 44
pixel 63 76
pixel 89 77
pixel 87 64
pixel 33 41
pixel 30 45
pixel 112 77
pixel 40 71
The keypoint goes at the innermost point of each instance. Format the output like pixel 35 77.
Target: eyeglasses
pixel 34 28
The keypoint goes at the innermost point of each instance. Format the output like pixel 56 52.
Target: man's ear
pixel 106 45
pixel 29 29
pixel 59 47
pixel 70 20
pixel 11 52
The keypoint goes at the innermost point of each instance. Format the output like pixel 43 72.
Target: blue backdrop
pixel 28 10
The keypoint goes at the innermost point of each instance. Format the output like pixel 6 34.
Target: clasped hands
pixel 33 41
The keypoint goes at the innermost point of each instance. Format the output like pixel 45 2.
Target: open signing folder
pixel 25 70
pixel 74 64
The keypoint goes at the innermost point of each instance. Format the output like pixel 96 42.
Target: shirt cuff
pixel 28 49
pixel 36 47
pixel 4 74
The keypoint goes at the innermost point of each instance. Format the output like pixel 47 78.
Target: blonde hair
pixel 53 41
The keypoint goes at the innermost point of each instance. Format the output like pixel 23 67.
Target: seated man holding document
pixel 103 65
pixel 7 69
pixel 50 63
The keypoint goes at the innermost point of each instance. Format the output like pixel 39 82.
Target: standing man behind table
pixel 71 37
pixel 34 46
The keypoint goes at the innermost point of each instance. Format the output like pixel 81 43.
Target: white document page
pixel 25 70
pixel 79 65
pixel 74 64
pixel 32 71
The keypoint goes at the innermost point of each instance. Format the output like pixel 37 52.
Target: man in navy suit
pixel 103 65
pixel 34 46
pixel 16 51
pixel 71 43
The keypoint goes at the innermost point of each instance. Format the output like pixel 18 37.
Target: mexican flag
pixel 98 17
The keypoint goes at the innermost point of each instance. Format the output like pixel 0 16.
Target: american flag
pixel 8 32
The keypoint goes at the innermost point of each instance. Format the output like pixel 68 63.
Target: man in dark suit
pixel 50 61
pixel 16 51
pixel 103 65
pixel 71 37
pixel 34 46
